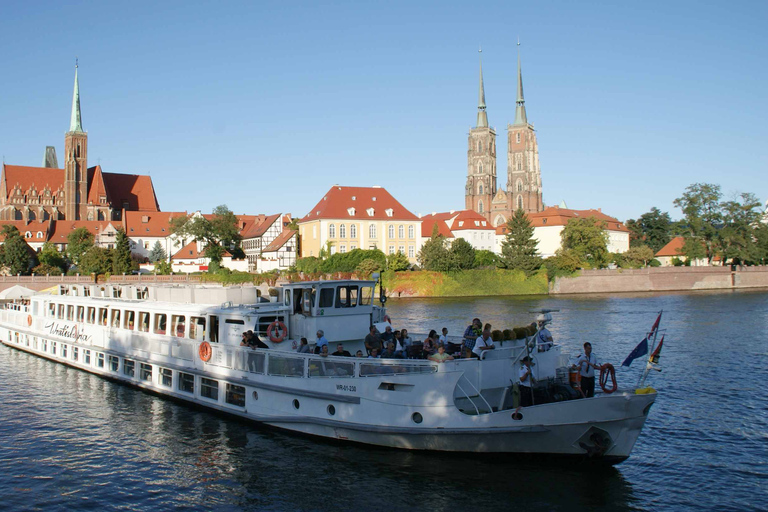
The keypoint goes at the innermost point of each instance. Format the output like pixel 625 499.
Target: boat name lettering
pixel 66 331
pixel 345 387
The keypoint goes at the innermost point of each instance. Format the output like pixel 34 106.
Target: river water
pixel 70 440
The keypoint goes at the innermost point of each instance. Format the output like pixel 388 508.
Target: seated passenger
pixel 387 335
pixel 359 353
pixel 405 341
pixel 340 352
pixel 443 339
pixel 324 351
pixel 373 340
pixel 483 343
pixel 440 356
pixel 430 344
pixel 390 352
pixel 303 347
pixel 374 354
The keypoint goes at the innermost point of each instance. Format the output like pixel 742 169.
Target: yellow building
pixel 360 218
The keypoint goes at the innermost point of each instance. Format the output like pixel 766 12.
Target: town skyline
pixel 322 115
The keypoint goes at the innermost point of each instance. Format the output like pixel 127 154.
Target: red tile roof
pixel 28 176
pixel 156 224
pixel 337 201
pixel 190 252
pixel 555 216
pixel 137 191
pixel 281 240
pixel 96 188
pixel 62 228
pixel 673 248
pixel 257 229
pixel 442 227
pixel 33 227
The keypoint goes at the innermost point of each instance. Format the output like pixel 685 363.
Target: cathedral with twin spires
pixel 523 189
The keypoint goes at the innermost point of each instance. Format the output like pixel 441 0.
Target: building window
pixel 372 231
pixel 332 231
pixel 391 249
pixel 343 231
pixel 480 189
pixel 410 231
pixel 480 168
pixel 401 231
pixel 519 202
pixel 186 382
pixel 314 231
pixel 235 395
pixel 519 185
pixel 391 231
pixel 209 388
pixel 353 231
pixel 401 249
pixel 411 251
pixel 370 212
pixel 479 207
pixel 342 249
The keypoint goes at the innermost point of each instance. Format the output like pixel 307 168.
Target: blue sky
pixel 262 106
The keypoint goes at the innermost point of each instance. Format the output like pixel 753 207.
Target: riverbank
pixel 466 283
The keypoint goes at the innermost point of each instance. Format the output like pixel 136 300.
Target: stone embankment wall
pixel 661 279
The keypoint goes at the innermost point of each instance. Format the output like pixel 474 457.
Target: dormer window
pixel 477 223
pixel 28 234
pixel 373 198
pixel 351 211
pixel 389 212
pixel 369 211
pixel 483 223
pixel 461 223
pixel 354 198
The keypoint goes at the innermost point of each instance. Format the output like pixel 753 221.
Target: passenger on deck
pixel 526 382
pixel 359 353
pixel 484 342
pixel 544 337
pixel 303 346
pixel 340 352
pixel 390 352
pixel 470 335
pixel 324 351
pixel 387 335
pixel 443 339
pixel 430 344
pixel 374 354
pixel 440 356
pixel 405 341
pixel 373 341
pixel 256 341
pixel 320 341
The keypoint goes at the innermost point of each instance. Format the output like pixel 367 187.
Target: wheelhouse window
pixel 197 328
pixel 235 395
pixel 177 325
pixel 366 292
pixel 52 310
pixel 166 377
pixel 130 319
pixel 128 367
pixel 143 321
pixel 115 318
pixel 209 388
pixel 186 382
pixel 160 323
pixel 326 298
pixel 145 371
pixel 346 296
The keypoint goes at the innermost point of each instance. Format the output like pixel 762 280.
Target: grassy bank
pixel 464 283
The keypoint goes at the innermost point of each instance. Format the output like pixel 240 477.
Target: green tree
pixel 79 241
pixel 96 260
pixel 309 265
pixel 518 250
pixel 51 258
pixel 461 255
pixel 485 259
pixel 163 268
pixel 220 232
pixel 703 215
pixel 761 244
pixel 588 240
pixel 16 253
pixel 652 229
pixel 737 237
pixel 157 253
pixel 638 256
pixel 564 263
pixel 368 267
pixel 434 253
pixel 397 262
pixel 121 260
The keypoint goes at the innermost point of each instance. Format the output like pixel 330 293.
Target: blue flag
pixel 640 350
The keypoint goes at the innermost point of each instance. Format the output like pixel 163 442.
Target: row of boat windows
pixel 209 388
pixel 142 321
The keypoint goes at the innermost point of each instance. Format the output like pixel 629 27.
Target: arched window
pixel 480 189
pixel 353 231
pixel 391 231
pixel 410 231
pixel 519 202
pixel 372 231
pixel 519 185
pixel 28 234
pixel 401 231
pixel 480 146
pixel 479 207
pixel 332 231
pixel 343 231
pixel 17 214
pixel 32 215
pixel 46 215
pixel 480 168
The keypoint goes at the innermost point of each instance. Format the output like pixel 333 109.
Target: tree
pixel 97 260
pixel 588 240
pixel 368 267
pixel 761 244
pixel 703 215
pixel 638 256
pixel 461 255
pixel 651 229
pixel 163 268
pixel 157 253
pixel 518 250
pixel 485 259
pixel 433 255
pixel 51 259
pixel 16 253
pixel 397 262
pixel 219 233
pixel 564 263
pixel 737 237
pixel 121 259
pixel 79 241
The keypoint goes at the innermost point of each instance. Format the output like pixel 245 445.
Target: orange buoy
pixel 606 370
pixel 205 351
pixel 273 336
pixel 29 320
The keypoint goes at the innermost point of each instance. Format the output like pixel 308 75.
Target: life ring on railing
pixel 29 320
pixel 387 319
pixel 606 370
pixel 205 351
pixel 274 338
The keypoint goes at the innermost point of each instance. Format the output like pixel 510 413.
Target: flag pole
pixel 649 363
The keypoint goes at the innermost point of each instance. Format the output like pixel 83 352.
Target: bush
pixel 368 267
pixel 655 263
pixel 508 334
pixel 496 335
pixel 520 332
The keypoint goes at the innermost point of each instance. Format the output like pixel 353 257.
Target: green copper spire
pixel 520 117
pixel 482 117
pixel 75 123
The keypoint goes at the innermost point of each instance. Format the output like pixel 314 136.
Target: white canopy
pixel 16 292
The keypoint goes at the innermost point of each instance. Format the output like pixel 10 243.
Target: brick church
pixel 523 189
pixel 76 192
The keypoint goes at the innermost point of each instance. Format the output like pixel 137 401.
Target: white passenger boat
pixel 184 342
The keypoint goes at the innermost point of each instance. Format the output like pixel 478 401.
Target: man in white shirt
pixel 526 381
pixel 484 342
pixel 587 364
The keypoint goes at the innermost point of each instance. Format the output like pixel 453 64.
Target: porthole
pixel 295 404
pixel 417 417
pixel 255 395
pixel 331 410
pixel 517 416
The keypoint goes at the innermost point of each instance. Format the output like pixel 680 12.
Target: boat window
pixel 102 316
pixel 197 328
pixel 128 367
pixel 209 388
pixel 143 321
pixel 346 296
pixel 114 363
pixel 326 298
pixel 214 329
pixel 45 345
pixel 160 323
pixel 166 377
pixel 115 318
pixel 53 345
pixel 233 321
pixel 186 382
pixel 130 319
pixel 61 311
pixel 117 292
pixel 177 325
pixel 81 314
pixel 145 372
pixel 87 356
pixel 366 292
pixel 70 312
pixel 52 310
pixel 100 360
pixel 306 301
pixel 91 315
pixel 63 350
pixel 74 353
pixel 235 395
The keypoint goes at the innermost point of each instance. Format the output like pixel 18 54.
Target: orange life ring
pixel 271 331
pixel 29 320
pixel 606 370
pixel 205 351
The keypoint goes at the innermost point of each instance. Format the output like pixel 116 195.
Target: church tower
pixel 523 172
pixel 75 162
pixel 481 160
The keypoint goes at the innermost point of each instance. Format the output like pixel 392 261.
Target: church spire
pixel 75 123
pixel 482 117
pixel 520 116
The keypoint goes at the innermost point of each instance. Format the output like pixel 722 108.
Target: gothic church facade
pixel 523 188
